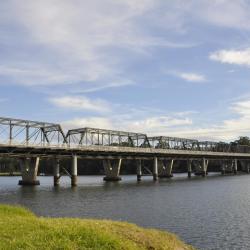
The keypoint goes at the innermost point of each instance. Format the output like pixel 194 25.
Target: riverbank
pixel 21 229
pixel 10 174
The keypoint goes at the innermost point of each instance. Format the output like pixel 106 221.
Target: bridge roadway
pixel 114 152
pixel 30 141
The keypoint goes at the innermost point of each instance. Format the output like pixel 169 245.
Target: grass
pixel 21 229
pixel 10 174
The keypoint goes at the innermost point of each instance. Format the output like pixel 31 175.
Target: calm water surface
pixel 211 213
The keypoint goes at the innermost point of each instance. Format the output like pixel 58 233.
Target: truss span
pixel 105 137
pixel 27 133
pixel 30 133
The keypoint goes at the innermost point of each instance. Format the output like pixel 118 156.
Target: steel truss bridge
pixel 31 139
pixel 25 137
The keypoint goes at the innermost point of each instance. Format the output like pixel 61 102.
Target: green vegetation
pixel 11 174
pixel 21 229
pixel 243 140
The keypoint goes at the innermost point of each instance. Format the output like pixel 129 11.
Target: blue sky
pixel 177 68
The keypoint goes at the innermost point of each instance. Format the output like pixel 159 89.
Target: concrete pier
pixel 165 168
pixel 229 167
pixel 247 168
pixel 56 170
pixel 112 171
pixel 244 166
pixel 74 171
pixel 139 170
pixel 204 167
pixel 155 169
pixel 29 169
pixel 235 166
pixel 200 167
pixel 223 168
pixel 189 162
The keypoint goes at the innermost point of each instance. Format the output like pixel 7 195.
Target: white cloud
pixel 80 103
pixel 188 76
pixel 31 75
pixel 77 40
pixel 134 122
pixel 93 122
pixel 151 126
pixel 228 130
pixel 192 77
pixel 242 107
pixel 239 57
pixel 118 83
pixel 224 13
pixel 180 124
pixel 156 124
pixel 180 15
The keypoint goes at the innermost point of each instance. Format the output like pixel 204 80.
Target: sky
pixel 162 67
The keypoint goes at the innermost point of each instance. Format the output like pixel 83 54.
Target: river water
pixel 209 213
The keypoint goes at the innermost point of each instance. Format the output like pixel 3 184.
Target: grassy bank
pixel 21 229
pixel 10 174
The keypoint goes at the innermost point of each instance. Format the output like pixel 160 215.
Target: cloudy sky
pixel 177 68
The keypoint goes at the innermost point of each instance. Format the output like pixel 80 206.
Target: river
pixel 209 213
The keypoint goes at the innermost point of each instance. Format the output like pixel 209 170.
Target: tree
pixel 243 140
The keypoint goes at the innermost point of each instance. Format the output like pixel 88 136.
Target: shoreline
pixel 75 233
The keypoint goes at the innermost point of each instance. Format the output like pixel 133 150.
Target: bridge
pixel 31 141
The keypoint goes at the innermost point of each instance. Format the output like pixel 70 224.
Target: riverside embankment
pixel 21 229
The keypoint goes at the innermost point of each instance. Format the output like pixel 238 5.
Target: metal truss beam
pixel 35 134
pixel 166 142
pixel 26 132
pixel 94 136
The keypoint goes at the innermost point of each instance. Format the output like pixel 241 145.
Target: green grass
pixel 21 229
pixel 10 174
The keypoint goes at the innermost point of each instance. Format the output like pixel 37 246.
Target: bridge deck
pixel 112 151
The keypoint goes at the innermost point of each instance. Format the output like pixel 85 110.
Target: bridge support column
pixel 235 166
pixel 155 169
pixel 189 168
pixel 223 168
pixel 165 170
pixel 74 171
pixel 29 169
pixel 244 166
pixel 112 171
pixel 247 168
pixel 204 167
pixel 139 170
pixel 56 172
